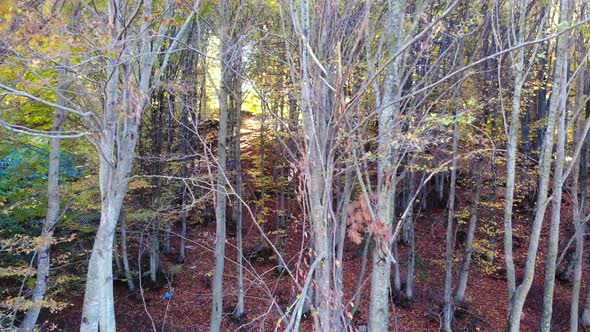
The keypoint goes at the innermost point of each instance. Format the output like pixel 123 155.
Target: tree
pixel 44 252
pixel 557 104
pixel 114 131
pixel 520 8
pixel 220 194
pixel 386 173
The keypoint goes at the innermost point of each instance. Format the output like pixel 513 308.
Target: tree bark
pixel 386 170
pixel 220 194
pixel 411 238
pixel 98 311
pixel 580 183
pixel 340 229
pixel 558 181
pixel 556 105
pixel 449 240
pixel 238 190
pixel 124 252
pixel 361 278
pixel 519 79
pixel 44 251
pixel 583 207
pixel 473 215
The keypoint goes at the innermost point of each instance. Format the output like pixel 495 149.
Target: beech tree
pixel 360 149
pixel 53 207
pixel 556 106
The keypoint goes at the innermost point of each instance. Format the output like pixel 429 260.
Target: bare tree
pixel 386 172
pixel 557 104
pixel 518 7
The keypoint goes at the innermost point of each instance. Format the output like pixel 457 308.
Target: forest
pixel 294 165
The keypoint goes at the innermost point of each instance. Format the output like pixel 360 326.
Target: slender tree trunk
pixel 440 185
pixel 280 224
pixel 156 170
pixel 344 200
pixel 541 100
pixel 556 104
pixel 220 194
pixel 448 303
pixel 473 215
pixel 237 209
pixel 262 199
pixel 44 251
pixel 316 108
pixel 281 236
pixel 182 249
pixel 154 250
pixel 583 207
pixel 185 142
pixel 386 171
pixel 519 78
pixel 397 278
pixel 558 181
pixel 189 121
pixel 361 278
pixel 411 239
pixel 169 143
pixel 116 255
pixel 580 183
pixel 124 252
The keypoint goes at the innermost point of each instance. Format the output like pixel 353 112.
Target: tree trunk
pixel 316 108
pixel 44 251
pixel 99 304
pixel 556 105
pixel 541 100
pixel 580 182
pixel 448 304
pixel 558 181
pixel 154 250
pixel 386 171
pixel 220 194
pixel 182 249
pixel 156 170
pixel 519 78
pixel 237 208
pixel 411 239
pixel 344 200
pixel 116 255
pixel 583 207
pixel 361 278
pixel 123 230
pixel 169 143
pixel 397 278
pixel 473 215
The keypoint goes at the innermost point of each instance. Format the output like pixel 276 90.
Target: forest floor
pixel 188 309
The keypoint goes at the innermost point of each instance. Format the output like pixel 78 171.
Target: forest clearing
pixel 294 165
